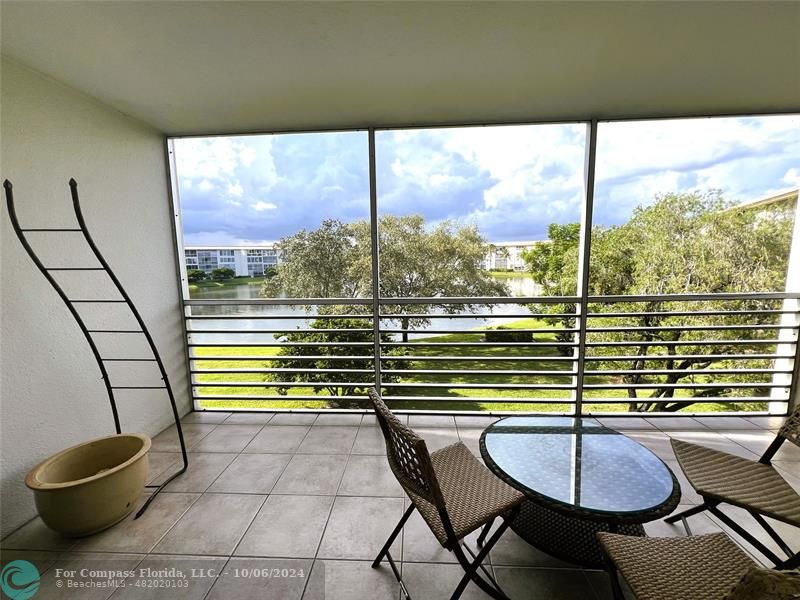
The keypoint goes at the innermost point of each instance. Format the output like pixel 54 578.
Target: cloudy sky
pixel 511 181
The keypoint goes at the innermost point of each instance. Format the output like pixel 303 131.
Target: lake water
pixel 293 317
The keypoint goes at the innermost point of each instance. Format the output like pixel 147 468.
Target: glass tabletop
pixel 577 463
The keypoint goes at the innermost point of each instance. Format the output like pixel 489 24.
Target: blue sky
pixel 511 181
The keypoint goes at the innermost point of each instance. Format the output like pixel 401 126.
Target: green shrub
pixel 504 334
pixel 195 275
pixel 222 273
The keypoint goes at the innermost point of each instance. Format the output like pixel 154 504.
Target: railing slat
pixel 736 358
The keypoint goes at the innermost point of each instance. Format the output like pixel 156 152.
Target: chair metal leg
pixel 748 537
pixel 385 550
pixel 683 516
pixel 384 553
pixel 772 533
pixel 485 532
pixel 489 577
pixel 471 568
pixel 713 508
pixel 686 513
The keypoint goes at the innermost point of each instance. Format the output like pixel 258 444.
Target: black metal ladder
pixel 125 299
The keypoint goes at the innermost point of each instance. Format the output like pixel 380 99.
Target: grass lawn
pixel 541 358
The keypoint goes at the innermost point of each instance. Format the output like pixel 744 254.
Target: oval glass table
pixel 579 478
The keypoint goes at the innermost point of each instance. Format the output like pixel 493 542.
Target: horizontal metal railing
pixel 455 354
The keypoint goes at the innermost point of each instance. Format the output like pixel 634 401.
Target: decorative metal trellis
pixel 124 299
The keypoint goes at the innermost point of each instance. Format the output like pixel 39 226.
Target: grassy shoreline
pixel 236 281
pixel 226 283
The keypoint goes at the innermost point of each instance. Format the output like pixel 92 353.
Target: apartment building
pixel 250 261
pixel 504 256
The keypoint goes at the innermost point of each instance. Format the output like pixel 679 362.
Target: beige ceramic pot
pixel 91 486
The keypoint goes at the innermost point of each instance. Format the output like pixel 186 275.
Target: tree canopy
pixel 415 261
pixel 682 243
pixel 335 353
pixel 322 263
pixel 335 261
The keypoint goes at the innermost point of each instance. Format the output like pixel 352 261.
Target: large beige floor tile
pixel 212 526
pixel 197 575
pixel 142 534
pixel 278 439
pixel 328 440
pixel 358 527
pixel 56 584
pixel 203 469
pixel 262 579
pixel 251 474
pixel 35 535
pixel 312 474
pixel 167 440
pixel 369 476
pixel 287 526
pixel 350 580
pixel 227 438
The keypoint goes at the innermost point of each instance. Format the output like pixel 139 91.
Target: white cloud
pixel 515 168
pixel 678 144
pixel 505 179
pixel 792 177
pixel 742 157
pixel 221 158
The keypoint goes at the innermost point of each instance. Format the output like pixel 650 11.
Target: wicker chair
pixel 704 567
pixel 454 493
pixel 755 486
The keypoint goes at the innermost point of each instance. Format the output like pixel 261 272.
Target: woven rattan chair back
pixel 408 456
pixel 791 428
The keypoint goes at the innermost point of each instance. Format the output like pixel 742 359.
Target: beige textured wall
pixel 51 394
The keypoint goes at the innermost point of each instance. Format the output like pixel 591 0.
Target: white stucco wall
pixel 51 394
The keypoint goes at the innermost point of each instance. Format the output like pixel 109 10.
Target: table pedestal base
pixel 569 538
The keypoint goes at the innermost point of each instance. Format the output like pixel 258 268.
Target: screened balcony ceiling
pixel 223 67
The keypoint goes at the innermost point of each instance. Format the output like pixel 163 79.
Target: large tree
pixel 334 352
pixel 335 261
pixel 421 262
pixel 682 243
pixel 322 263
pixel 416 261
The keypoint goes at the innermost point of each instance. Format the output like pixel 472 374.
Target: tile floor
pixel 294 506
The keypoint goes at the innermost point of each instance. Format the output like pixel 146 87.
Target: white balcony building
pixel 246 261
pixel 507 256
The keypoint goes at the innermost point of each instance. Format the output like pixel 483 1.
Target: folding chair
pixel 454 493
pixel 755 486
pixel 703 567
